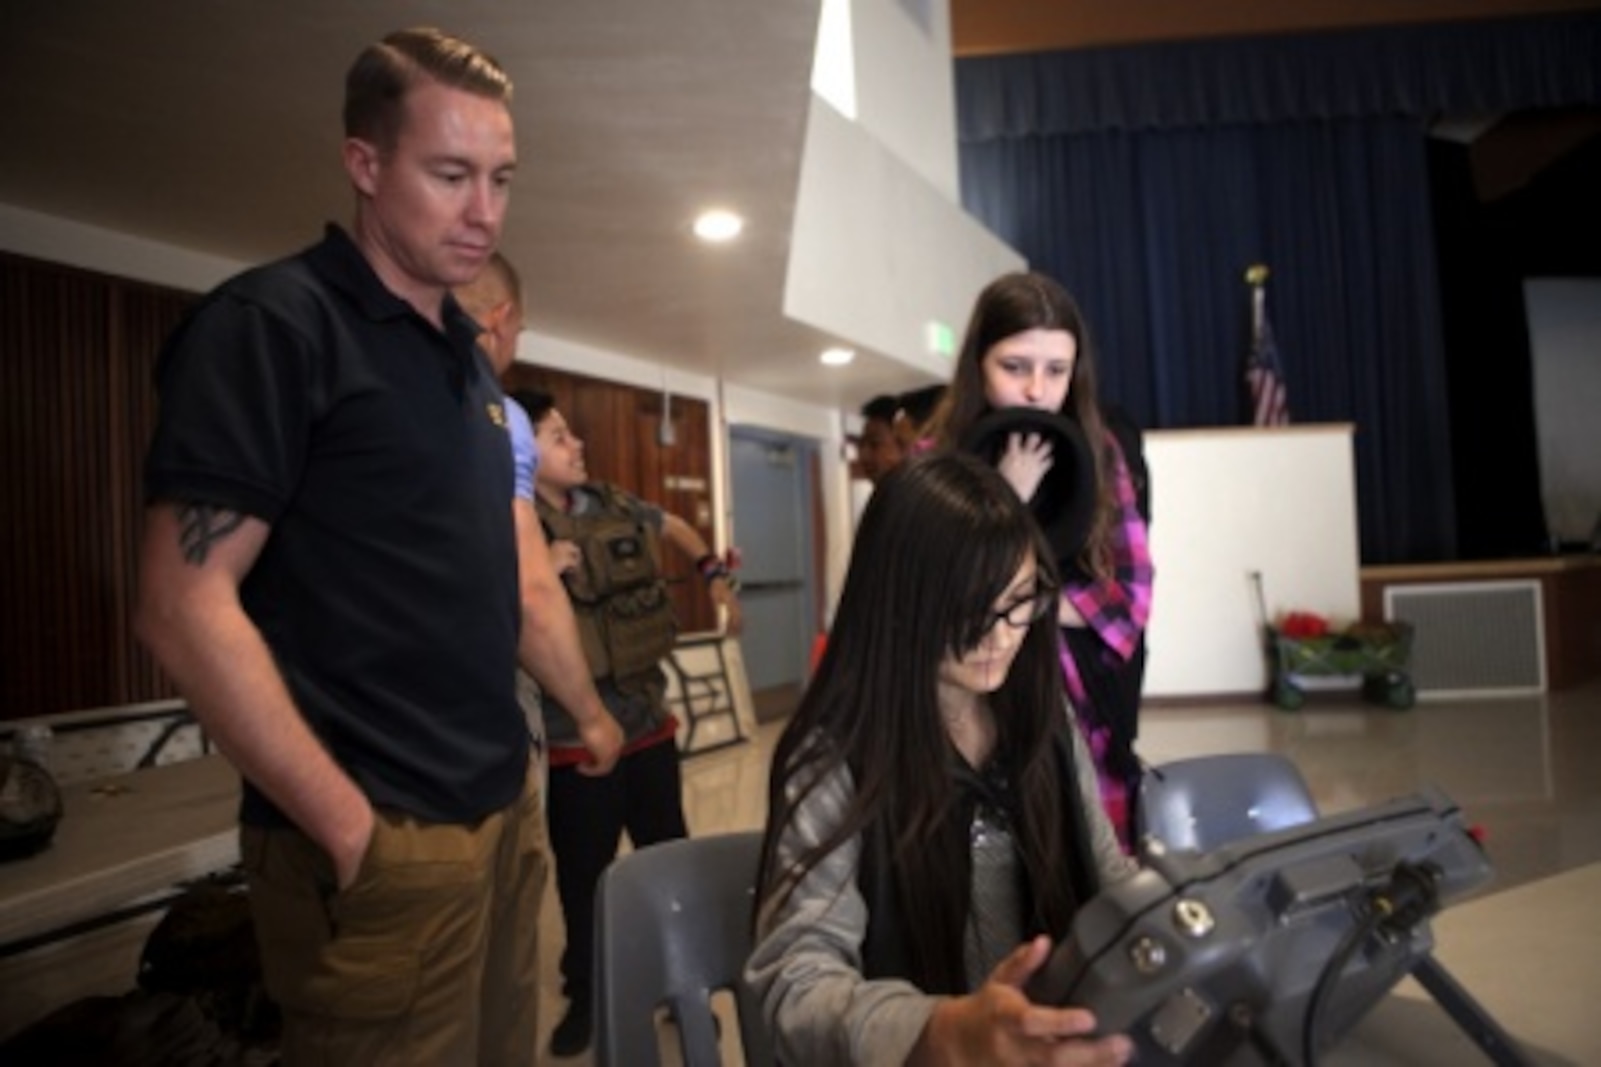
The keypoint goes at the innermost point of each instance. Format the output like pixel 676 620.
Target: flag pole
pixel 1256 277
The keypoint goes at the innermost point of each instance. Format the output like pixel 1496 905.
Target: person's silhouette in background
pixel 878 449
pixel 915 409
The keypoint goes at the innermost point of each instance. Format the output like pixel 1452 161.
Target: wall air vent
pixel 1473 638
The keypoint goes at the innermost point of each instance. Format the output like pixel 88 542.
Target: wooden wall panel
pixel 76 405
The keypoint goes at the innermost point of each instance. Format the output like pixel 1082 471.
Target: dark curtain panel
pixel 1493 429
pixel 1480 67
pixel 1148 179
pixel 1153 233
pixel 1549 228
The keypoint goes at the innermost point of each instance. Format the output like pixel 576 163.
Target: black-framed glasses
pixel 1024 612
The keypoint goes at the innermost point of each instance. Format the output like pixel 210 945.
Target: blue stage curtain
pixel 1480 67
pixel 1148 179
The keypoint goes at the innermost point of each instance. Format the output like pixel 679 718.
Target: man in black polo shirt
pixel 329 574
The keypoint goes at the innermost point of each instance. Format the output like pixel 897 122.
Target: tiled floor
pixel 1524 769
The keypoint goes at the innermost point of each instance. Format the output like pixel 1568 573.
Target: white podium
pixel 1229 503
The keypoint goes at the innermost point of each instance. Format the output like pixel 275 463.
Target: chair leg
pixel 1468 1014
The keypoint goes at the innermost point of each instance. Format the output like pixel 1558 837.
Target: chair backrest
pixel 1206 801
pixel 673 927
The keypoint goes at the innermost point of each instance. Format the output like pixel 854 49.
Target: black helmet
pixel 1064 505
pixel 30 807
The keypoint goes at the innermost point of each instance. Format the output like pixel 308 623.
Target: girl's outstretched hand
pixel 999 1025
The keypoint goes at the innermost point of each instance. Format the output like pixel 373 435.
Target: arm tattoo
pixel 202 525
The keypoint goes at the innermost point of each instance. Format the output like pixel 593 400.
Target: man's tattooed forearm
pixel 202 525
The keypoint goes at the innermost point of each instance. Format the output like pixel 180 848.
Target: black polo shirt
pixel 308 395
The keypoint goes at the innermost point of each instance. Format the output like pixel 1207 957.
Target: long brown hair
pixel 941 539
pixel 1010 305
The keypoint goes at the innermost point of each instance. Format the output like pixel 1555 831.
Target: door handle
pixel 769 587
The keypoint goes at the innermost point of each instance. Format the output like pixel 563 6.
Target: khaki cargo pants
pixel 429 958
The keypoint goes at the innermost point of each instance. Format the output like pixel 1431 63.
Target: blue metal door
pixel 771 484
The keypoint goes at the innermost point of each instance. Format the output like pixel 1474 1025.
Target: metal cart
pixel 1376 659
pixel 1372 656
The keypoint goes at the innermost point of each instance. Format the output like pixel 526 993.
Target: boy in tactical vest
pixel 606 544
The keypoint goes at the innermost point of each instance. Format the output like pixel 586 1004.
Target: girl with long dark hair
pixel 933 821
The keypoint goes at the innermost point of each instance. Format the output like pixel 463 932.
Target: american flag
pixel 1264 379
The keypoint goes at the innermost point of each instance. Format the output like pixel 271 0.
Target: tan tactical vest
pixel 625 617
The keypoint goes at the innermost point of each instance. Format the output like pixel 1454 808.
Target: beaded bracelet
pixel 711 568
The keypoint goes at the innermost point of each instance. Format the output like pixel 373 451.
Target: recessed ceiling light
pixel 718 225
pixel 837 357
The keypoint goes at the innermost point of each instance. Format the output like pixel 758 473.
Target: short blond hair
pixel 495 284
pixel 378 81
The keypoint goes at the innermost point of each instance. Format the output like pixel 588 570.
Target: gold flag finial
pixel 1256 274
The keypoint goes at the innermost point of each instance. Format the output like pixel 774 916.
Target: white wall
pixel 906 85
pixel 881 246
pixel 1228 503
pixel 877 251
pixel 58 240
pixel 575 357
pixel 1565 350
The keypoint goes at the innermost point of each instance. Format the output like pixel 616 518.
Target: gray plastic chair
pixel 673 927
pixel 1206 801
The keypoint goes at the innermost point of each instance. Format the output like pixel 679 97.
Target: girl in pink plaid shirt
pixel 1027 346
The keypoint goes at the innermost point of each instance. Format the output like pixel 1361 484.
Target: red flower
pixel 1303 624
